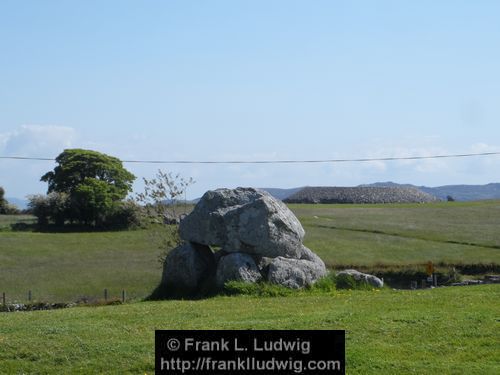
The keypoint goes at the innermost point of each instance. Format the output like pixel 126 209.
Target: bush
pixel 5 207
pixel 160 202
pixel 10 209
pixel 3 202
pixel 125 215
pixel 49 208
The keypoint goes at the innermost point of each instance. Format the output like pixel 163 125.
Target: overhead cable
pixel 354 160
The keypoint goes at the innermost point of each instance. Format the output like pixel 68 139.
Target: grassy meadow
pixel 65 267
pixel 402 234
pixel 433 331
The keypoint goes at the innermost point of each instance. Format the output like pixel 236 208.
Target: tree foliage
pixel 3 202
pixel 5 207
pixel 86 187
pixel 52 207
pixel 77 165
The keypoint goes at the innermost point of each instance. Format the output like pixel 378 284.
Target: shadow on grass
pixel 206 290
pixel 68 228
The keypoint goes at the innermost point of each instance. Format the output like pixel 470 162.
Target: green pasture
pixel 402 234
pixel 71 266
pixel 452 330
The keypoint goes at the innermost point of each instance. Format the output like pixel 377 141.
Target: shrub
pixel 160 202
pixel 5 207
pixel 10 209
pixel 49 208
pixel 3 202
pixel 125 215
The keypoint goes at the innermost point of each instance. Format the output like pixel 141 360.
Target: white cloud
pixel 484 147
pixel 37 140
pixel 22 177
pixel 483 165
pixel 4 137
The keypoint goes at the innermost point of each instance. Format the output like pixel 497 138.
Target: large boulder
pixel 186 268
pixel 244 220
pixel 363 277
pixel 296 273
pixel 258 236
pixel 238 267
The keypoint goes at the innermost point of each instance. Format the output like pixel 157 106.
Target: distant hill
pixel 360 194
pixel 457 192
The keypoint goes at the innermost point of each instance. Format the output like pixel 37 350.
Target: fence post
pixel 105 295
pixel 3 298
pixel 123 296
pixel 29 295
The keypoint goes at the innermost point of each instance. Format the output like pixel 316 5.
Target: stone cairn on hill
pixel 360 194
pixel 256 237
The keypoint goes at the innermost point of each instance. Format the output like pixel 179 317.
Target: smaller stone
pixel 363 277
pixel 237 267
pixel 295 273
pixel 185 268
pixel 308 254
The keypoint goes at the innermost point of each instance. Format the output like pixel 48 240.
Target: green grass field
pixel 439 331
pixel 67 266
pixel 70 266
pixel 367 235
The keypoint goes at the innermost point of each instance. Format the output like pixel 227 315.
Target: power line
pixel 276 161
pixel 26 158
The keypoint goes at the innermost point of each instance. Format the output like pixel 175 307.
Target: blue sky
pixel 253 80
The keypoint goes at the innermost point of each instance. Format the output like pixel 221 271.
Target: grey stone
pixel 307 254
pixel 295 273
pixel 365 277
pixel 186 267
pixel 244 220
pixel 238 267
pixel 263 264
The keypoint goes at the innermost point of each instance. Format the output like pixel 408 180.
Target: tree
pixel 52 207
pixel 94 182
pixel 3 202
pixel 160 200
pixel 93 201
pixel 5 207
pixel 76 165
